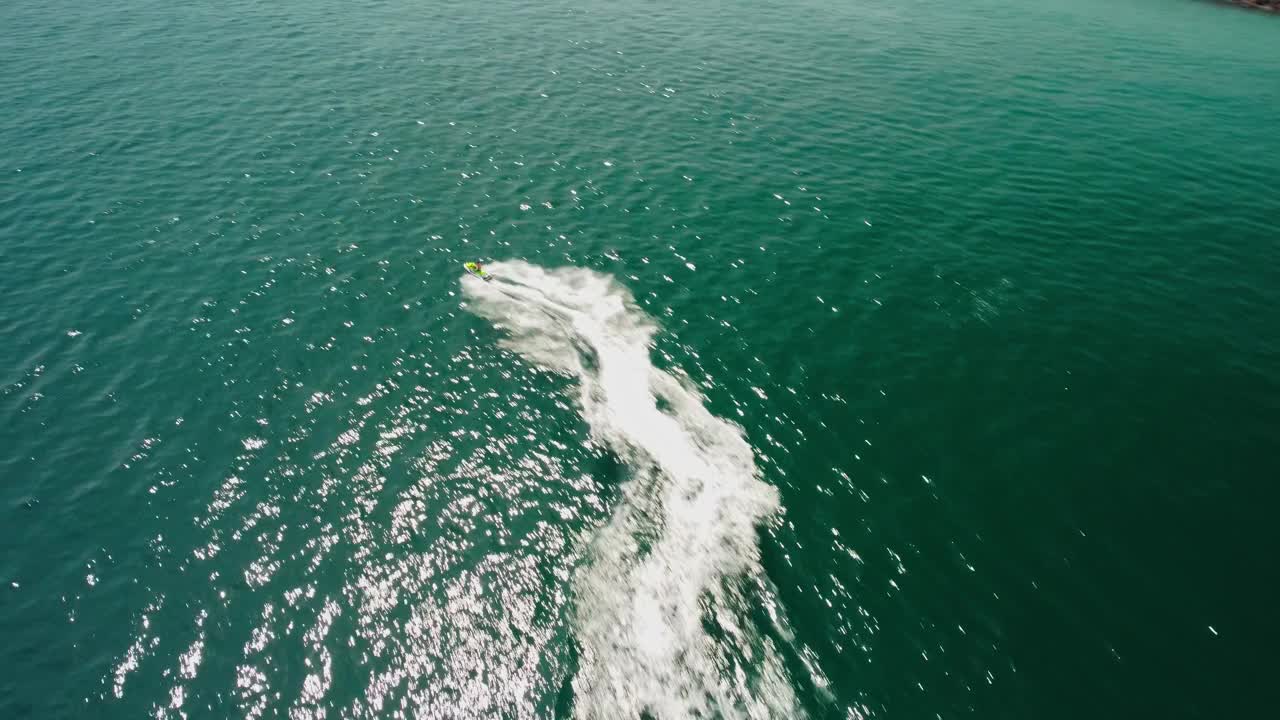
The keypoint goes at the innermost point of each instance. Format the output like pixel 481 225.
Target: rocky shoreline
pixel 1264 5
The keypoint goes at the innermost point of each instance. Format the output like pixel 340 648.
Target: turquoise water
pixel 847 360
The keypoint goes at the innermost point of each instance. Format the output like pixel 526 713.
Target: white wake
pixel 663 601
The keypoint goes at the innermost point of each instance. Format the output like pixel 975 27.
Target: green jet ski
pixel 475 269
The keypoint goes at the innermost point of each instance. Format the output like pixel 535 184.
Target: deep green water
pixel 872 359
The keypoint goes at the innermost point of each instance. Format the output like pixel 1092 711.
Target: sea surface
pixel 843 359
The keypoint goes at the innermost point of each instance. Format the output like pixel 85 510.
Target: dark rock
pixel 1264 5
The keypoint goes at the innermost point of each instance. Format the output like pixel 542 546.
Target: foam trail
pixel 663 600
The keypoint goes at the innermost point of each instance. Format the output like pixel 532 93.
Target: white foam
pixel 679 553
